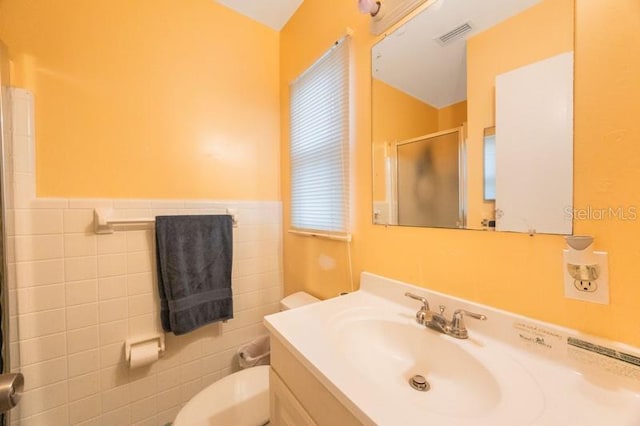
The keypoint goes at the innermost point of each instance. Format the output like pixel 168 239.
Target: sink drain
pixel 419 383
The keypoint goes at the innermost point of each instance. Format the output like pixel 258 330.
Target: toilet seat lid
pixel 240 398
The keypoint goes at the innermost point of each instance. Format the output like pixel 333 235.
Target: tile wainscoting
pixel 77 296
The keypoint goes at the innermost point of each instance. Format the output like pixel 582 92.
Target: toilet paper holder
pixel 136 341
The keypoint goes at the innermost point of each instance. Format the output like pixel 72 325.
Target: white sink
pixel 388 350
pixel 364 348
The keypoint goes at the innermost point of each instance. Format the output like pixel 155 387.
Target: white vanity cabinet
pixel 297 398
pixel 285 409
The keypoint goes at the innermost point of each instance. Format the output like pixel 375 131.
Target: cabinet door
pixel 534 147
pixel 285 408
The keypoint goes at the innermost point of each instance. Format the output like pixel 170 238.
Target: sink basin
pixel 363 348
pixel 390 353
pixel 464 377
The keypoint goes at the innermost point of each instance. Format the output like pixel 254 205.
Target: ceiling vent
pixel 454 34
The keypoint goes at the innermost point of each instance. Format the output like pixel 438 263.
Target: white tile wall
pixel 76 296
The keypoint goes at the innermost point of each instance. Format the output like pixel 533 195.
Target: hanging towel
pixel 194 257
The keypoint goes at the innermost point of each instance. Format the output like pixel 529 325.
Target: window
pixel 319 139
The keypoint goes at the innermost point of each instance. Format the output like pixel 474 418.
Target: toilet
pixel 241 398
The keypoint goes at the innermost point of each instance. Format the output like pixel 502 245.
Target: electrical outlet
pixel 587 282
pixel 586 285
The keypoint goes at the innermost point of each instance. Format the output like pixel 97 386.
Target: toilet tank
pixel 296 300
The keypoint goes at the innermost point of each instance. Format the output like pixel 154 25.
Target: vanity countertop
pixel 365 346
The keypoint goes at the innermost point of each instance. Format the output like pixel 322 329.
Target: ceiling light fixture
pixel 371 7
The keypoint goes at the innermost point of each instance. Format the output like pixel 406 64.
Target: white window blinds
pixel 320 144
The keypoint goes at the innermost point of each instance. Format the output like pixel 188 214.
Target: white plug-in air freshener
pixel 585 271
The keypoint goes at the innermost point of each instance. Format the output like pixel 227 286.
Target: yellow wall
pixel 167 98
pixel 510 271
pixel 550 30
pixel 395 117
pixel 398 116
pixel 148 98
pixel 452 116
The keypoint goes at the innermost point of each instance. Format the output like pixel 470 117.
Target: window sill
pixel 325 235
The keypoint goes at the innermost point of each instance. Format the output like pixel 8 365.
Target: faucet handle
pixel 460 312
pixel 424 314
pixel 458 328
pixel 425 302
pixel 442 309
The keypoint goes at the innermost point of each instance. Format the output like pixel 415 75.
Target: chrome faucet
pixel 437 321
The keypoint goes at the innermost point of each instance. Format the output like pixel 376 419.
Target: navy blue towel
pixel 194 257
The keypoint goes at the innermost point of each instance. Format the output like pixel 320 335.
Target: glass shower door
pixel 430 186
pixel 11 384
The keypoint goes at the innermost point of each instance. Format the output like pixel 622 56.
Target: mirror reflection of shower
pixel 428 181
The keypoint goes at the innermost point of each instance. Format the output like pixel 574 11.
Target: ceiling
pixel 411 60
pixel 272 13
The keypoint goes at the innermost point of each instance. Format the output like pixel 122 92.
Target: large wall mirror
pixel 472 115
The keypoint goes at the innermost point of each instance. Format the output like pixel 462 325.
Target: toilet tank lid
pixel 298 299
